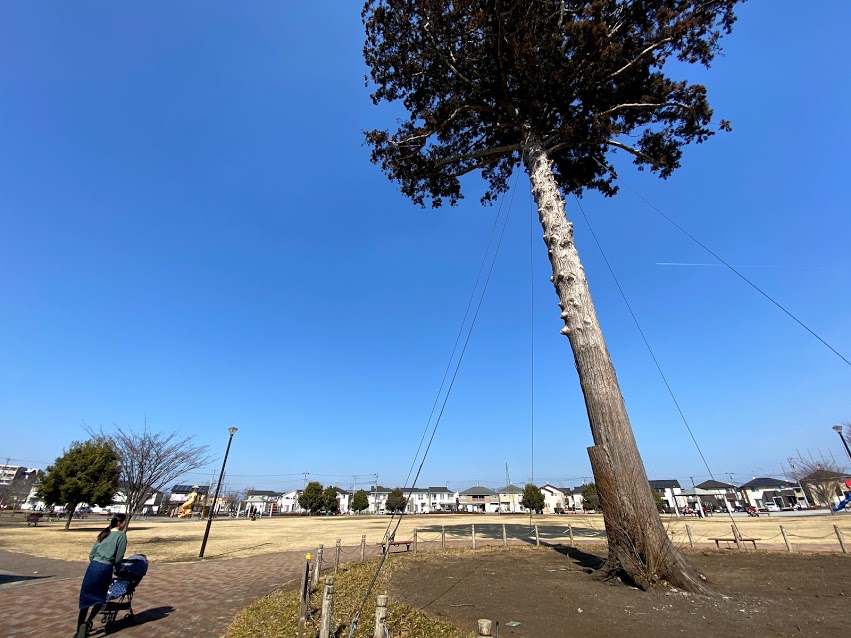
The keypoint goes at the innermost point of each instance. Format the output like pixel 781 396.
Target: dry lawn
pixel 168 540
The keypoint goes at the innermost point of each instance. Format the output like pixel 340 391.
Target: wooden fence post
pixel 841 540
pixel 570 530
pixel 380 616
pixel 415 540
pixel 473 526
pixel 362 547
pixel 504 536
pixel 690 540
pixel 786 539
pixel 736 536
pixel 485 627
pixel 317 566
pixel 327 619
pixel 337 556
pixel 537 538
pixel 443 537
pixel 304 596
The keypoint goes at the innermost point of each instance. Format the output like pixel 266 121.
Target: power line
pixel 353 625
pixel 649 348
pixel 731 268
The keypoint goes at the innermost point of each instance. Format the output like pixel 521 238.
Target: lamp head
pixel 838 428
pixel 232 431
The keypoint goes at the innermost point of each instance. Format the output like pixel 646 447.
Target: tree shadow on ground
pixel 580 558
pixel 6 579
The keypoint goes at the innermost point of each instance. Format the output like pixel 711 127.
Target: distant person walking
pixel 107 554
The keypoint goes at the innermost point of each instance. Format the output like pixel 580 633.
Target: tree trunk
pixel 639 548
pixel 70 513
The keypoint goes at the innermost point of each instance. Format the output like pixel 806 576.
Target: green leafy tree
pixel 312 498
pixel 396 501
pixel 360 501
pixel 533 498
pixel 559 87
pixel 86 473
pixel 590 497
pixel 329 499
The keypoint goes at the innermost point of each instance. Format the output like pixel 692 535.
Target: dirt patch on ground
pixel 551 593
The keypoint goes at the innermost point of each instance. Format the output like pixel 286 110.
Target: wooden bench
pixel 33 518
pixel 407 544
pixel 733 540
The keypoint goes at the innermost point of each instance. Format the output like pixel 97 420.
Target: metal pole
pixel 838 429
pixel 232 431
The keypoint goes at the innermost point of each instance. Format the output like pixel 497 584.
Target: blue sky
pixel 190 230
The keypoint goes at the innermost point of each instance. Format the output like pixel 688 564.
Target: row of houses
pixel 425 500
pixel 761 493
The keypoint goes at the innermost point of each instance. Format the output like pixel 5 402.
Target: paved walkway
pixel 38 596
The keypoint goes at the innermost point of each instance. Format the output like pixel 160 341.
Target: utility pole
pixel 305 480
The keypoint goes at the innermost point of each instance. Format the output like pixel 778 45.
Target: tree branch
pixel 446 60
pixel 632 151
pixel 635 60
pixel 645 105
pixel 497 150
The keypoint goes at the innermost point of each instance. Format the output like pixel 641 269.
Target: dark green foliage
pixel 86 473
pixel 329 499
pixel 660 502
pixel 360 501
pixel 477 76
pixel 590 497
pixel 312 498
pixel 396 501
pixel 533 498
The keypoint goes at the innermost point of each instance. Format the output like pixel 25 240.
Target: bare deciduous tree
pixel 150 460
pixel 822 479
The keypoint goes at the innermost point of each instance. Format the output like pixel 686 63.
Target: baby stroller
pixel 120 594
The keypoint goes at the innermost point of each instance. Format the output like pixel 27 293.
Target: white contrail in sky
pixel 678 263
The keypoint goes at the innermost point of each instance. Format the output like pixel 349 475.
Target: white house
pixel 671 493
pixel 288 502
pixel 442 499
pixel 509 499
pixel 377 498
pixel 119 503
pixel 344 501
pixel 763 491
pixel 554 498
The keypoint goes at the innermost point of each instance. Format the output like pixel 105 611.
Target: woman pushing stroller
pixel 107 554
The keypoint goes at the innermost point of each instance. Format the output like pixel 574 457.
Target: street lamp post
pixel 216 497
pixel 838 429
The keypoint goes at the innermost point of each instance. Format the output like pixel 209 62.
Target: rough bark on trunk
pixel 70 514
pixel 639 548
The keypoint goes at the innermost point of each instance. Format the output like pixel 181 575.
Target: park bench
pixel 407 544
pixel 733 540
pixel 33 518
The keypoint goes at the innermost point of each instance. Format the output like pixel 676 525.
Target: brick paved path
pixel 197 599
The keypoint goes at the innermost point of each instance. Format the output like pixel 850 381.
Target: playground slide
pixel 843 502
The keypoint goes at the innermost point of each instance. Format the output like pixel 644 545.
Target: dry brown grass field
pixel 168 540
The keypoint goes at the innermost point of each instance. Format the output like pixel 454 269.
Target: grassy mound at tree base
pixel 276 615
